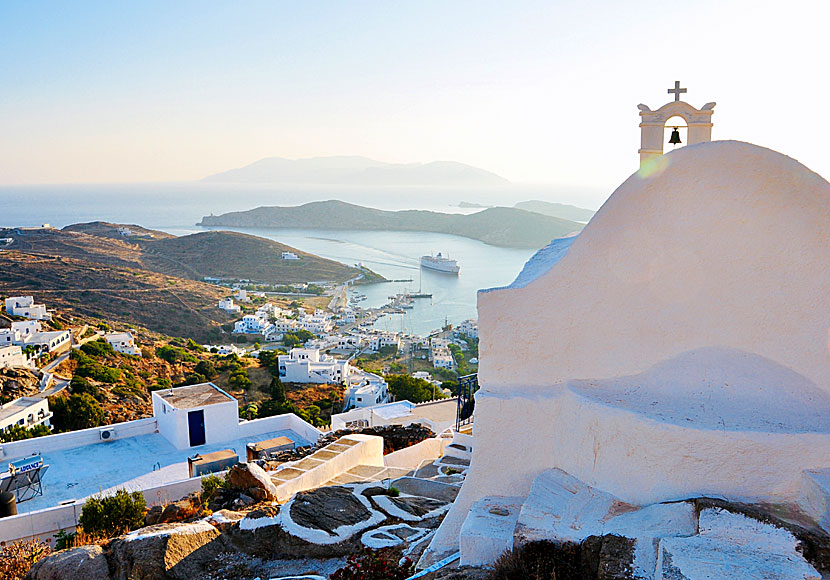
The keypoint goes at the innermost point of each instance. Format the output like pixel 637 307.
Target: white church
pixel 688 327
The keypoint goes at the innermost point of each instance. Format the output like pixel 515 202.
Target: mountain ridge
pixel 357 170
pixel 499 226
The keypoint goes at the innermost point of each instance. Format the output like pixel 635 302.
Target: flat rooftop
pixel 193 396
pixel 132 463
pixel 13 407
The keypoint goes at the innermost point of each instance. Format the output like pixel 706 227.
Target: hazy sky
pixel 539 92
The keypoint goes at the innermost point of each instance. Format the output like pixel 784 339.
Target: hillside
pixel 558 210
pixel 111 230
pixel 166 304
pixel 499 226
pixel 234 255
pixel 216 254
pixel 352 170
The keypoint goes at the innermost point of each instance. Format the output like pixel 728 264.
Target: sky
pixel 538 92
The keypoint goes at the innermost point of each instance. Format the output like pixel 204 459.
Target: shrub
pixel 375 565
pixel 112 515
pixel 393 491
pixel 97 348
pixel 543 560
pixel 80 385
pixel 174 354
pixel 239 379
pixel 210 485
pixel 16 559
pixel 79 411
pixel 18 433
pixel 206 369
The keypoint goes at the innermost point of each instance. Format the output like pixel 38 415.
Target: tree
pixel 277 390
pixel 411 389
pixel 78 411
pixel 206 369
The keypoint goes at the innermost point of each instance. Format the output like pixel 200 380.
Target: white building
pixel 12 356
pixel 303 365
pixel 365 390
pixel 25 412
pixel 242 295
pixel 251 324
pixel 25 306
pixel 123 342
pixel 468 328
pixel 227 305
pixel 52 341
pixel 290 256
pixel 29 333
pixel 196 415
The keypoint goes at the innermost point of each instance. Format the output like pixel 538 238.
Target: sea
pixel 176 208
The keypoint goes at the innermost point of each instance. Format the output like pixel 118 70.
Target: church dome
pixel 719 244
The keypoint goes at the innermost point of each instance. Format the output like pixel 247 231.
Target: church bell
pixel 675 136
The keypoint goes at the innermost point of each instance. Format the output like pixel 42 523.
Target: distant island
pixel 559 210
pixel 498 226
pixel 353 170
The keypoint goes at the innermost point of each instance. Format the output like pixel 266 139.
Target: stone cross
pixel 677 90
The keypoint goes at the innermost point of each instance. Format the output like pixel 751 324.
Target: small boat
pixel 440 263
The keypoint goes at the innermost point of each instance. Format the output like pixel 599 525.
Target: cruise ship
pixel 440 263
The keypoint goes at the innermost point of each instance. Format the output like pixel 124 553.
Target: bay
pixel 176 207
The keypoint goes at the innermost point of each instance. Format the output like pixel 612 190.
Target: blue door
pixel 196 427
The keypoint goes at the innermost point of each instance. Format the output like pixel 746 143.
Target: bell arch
pixel 653 123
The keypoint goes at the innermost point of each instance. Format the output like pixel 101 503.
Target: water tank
pixel 8 504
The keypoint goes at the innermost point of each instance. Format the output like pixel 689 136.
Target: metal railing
pixel 467 386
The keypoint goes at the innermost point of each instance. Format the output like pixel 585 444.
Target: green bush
pixel 239 379
pixel 78 411
pixel 210 485
pixel 79 385
pixel 112 515
pixel 206 369
pixel 18 433
pixel 97 348
pixel 411 389
pixel 174 354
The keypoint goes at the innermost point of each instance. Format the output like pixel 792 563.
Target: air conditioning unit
pixel 107 434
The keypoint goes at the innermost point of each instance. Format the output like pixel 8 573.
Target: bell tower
pixel 653 123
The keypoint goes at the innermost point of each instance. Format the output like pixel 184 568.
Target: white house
pixel 290 256
pixel 227 305
pixel 251 324
pixel 9 336
pixel 25 412
pixel 365 390
pixel 468 327
pixel 242 295
pixel 196 415
pixel 52 341
pixel 25 306
pixel 12 356
pixel 303 365
pixel 122 342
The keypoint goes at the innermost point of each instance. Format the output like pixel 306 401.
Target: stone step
pixel 733 546
pixel 459 451
pixel 488 529
pixel 814 497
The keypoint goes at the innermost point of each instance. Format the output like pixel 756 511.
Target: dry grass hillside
pixel 166 304
pixel 216 253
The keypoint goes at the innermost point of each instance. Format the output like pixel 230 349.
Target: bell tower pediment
pixel 653 123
